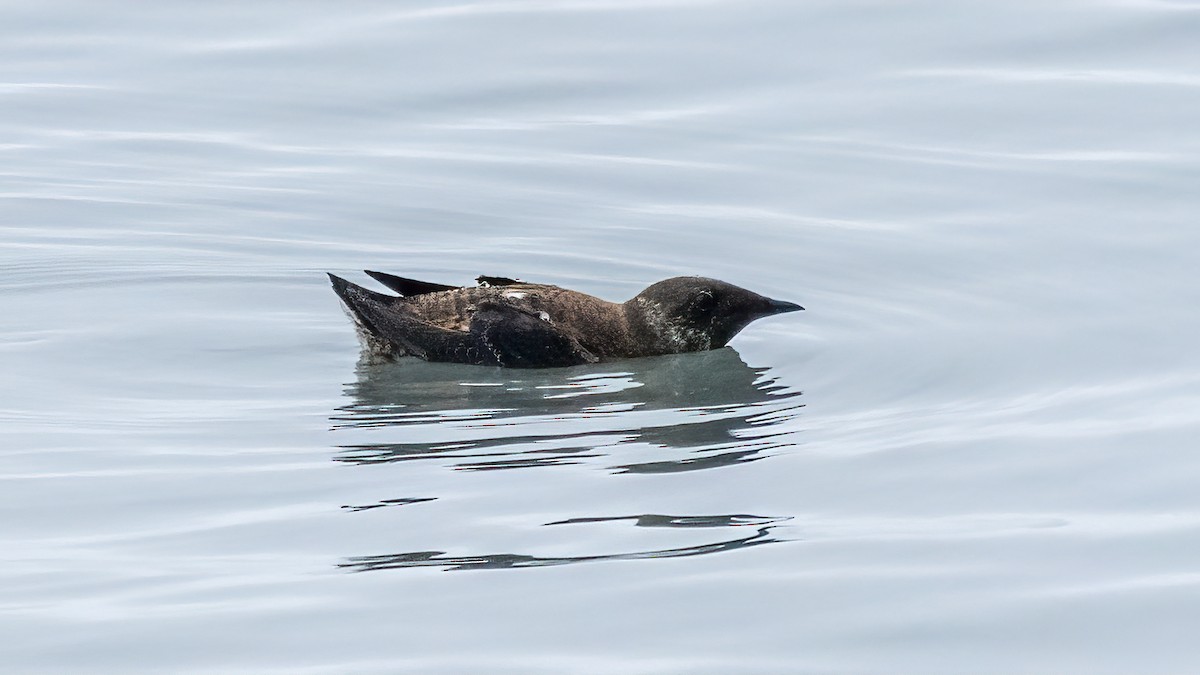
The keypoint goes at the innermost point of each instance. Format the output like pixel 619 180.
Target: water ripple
pixel 516 561
pixel 676 413
pixel 665 415
pixel 1082 76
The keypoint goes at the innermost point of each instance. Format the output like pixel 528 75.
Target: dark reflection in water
pixel 698 411
pixel 388 502
pixel 657 520
pixel 657 415
pixel 512 561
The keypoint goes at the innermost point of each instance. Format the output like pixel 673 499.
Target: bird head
pixel 689 314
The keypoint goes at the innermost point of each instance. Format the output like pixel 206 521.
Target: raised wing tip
pixel 405 286
pixel 485 280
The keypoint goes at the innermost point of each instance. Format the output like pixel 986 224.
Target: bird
pixel 511 323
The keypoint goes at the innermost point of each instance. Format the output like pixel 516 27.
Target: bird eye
pixel 703 303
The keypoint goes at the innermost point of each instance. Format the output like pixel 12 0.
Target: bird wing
pixel 517 337
pixel 499 334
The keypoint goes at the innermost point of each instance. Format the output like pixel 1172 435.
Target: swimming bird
pixel 506 322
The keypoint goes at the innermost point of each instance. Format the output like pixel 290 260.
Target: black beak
pixel 781 306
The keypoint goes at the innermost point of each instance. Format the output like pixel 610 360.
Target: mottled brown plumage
pixel 511 323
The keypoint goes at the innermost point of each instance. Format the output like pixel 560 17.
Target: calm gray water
pixel 976 452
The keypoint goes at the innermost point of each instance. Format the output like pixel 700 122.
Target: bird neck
pixel 647 327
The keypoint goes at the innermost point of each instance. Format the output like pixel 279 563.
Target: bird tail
pixel 367 309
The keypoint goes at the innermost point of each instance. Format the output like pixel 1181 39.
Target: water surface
pixel 974 453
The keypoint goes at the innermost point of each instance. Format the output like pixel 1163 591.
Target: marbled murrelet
pixel 505 322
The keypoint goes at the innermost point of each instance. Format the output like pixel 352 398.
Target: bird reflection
pixel 696 411
pixel 401 501
pixel 658 520
pixel 668 414
pixel 511 560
